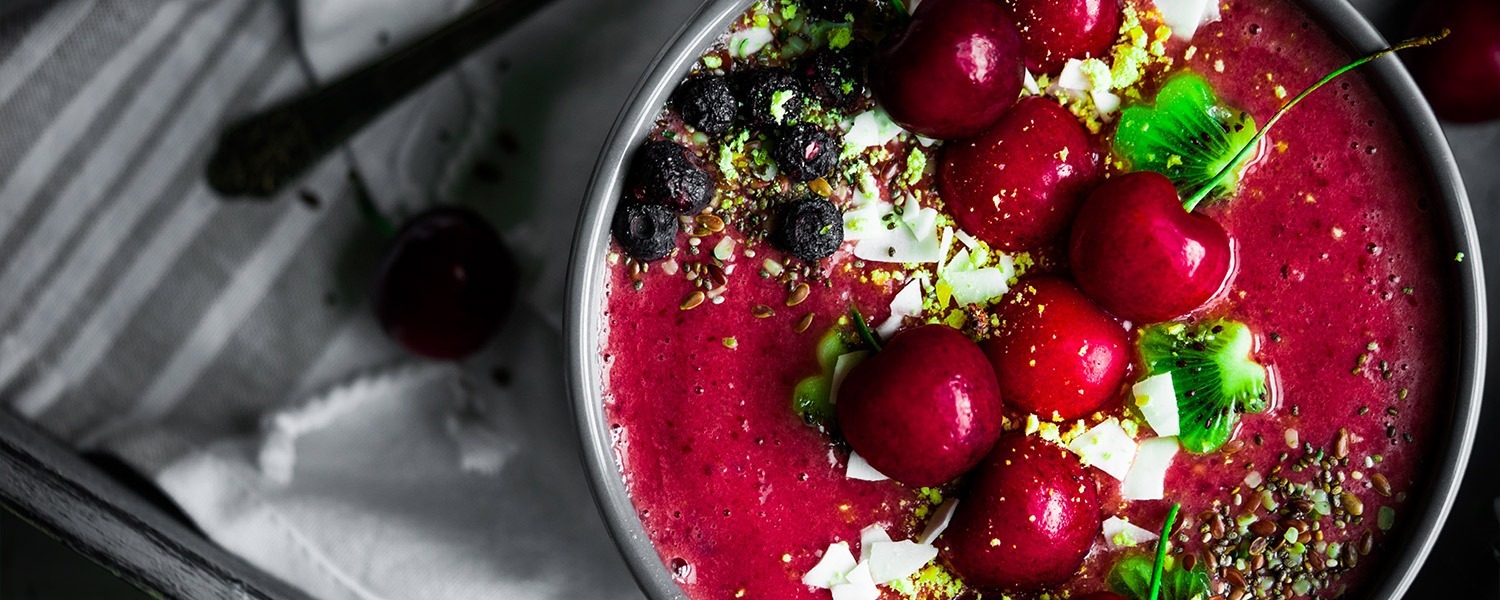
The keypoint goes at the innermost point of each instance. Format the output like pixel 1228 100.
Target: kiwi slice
pixel 1131 578
pixel 1215 377
pixel 811 398
pixel 1189 135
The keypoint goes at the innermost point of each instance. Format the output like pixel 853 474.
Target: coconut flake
pixel 858 585
pixel 868 537
pixel 1105 102
pixel 1149 471
pixel 890 561
pixel 1073 77
pixel 1029 84
pixel 979 286
pixel 861 470
pixel 867 220
pixel 1119 533
pixel 1107 447
pixel 1157 401
pixel 833 569
pixel 938 522
pixel 1185 16
pixel 871 128
pixel 882 236
pixel 970 283
pixel 921 221
pixel 746 42
pixel 841 367
pixel 967 240
pixel 907 303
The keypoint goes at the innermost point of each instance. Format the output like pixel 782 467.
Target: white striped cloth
pixel 142 316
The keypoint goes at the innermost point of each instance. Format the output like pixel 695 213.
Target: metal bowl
pixel 583 326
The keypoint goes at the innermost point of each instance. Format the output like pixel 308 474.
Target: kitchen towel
pixel 225 349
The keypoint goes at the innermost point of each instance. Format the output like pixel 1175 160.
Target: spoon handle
pixel 258 156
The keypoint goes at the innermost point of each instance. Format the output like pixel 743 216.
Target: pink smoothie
pixel 1341 272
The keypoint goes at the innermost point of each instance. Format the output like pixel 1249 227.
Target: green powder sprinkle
pixel 839 37
pixel 778 104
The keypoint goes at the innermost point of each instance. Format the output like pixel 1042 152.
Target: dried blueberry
pixel 833 10
pixel 805 152
pixel 646 231
pixel 810 229
pixel 833 77
pixel 771 96
pixel 706 103
pixel 669 174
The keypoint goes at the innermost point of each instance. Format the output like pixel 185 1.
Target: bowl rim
pixel 583 326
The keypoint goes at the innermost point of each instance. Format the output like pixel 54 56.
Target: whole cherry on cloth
pixel 1137 252
pixel 446 283
pixel 923 410
pixel 1018 184
pixel 1056 354
pixel 953 71
pixel 1027 520
pixel 1461 76
pixel 1057 30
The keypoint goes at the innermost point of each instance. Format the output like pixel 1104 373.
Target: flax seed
pixel 1352 504
pixel 692 301
pixel 803 323
pixel 1235 579
pixel 799 294
pixel 711 222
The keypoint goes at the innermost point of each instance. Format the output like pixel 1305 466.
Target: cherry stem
pixel 370 212
pixel 1161 551
pixel 864 328
pixel 1233 165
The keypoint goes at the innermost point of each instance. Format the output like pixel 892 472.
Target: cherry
pixel 1057 30
pixel 955 68
pixel 925 409
pixel 446 283
pixel 1018 184
pixel 1140 255
pixel 1461 75
pixel 1056 354
pixel 1028 519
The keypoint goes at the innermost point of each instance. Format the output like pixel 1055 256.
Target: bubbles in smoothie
pixel 682 571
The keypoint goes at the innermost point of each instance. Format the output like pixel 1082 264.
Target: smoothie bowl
pixel 1015 299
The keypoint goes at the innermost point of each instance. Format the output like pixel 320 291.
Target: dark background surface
pixel 34 566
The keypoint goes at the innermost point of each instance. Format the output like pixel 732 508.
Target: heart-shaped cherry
pixel 1027 520
pixel 446 283
pixel 1057 30
pixel 1461 76
pixel 1139 254
pixel 925 409
pixel 1143 255
pixel 955 68
pixel 1056 354
pixel 1018 184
